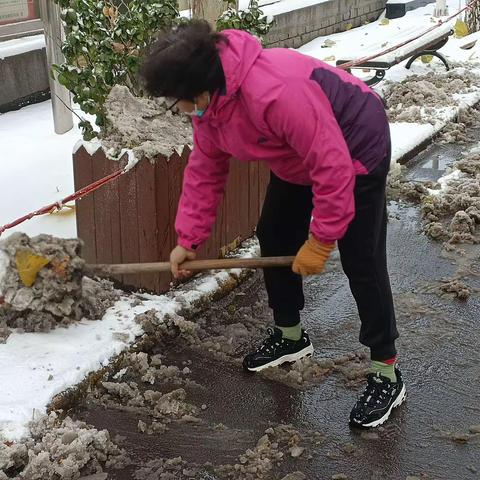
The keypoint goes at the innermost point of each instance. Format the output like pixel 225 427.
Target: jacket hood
pixel 237 57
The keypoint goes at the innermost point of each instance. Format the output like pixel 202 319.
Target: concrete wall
pixel 294 29
pixel 24 80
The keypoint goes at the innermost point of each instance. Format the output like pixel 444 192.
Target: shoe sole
pixel 398 401
pixel 293 357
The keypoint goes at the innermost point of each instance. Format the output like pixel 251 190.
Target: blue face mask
pixel 196 112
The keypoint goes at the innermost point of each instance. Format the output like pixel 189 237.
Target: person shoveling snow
pixel 325 136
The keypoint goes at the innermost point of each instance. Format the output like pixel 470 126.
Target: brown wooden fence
pixel 132 219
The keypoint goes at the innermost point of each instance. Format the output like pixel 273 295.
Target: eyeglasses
pixel 170 100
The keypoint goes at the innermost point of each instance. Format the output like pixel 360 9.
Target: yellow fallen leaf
pixel 28 266
pixel 426 58
pixel 460 29
pixel 348 26
pixel 384 21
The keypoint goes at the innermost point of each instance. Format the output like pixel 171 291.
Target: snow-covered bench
pixel 428 44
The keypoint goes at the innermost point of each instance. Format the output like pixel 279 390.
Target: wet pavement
pixel 426 438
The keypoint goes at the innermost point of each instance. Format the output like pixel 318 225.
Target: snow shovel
pixel 194 265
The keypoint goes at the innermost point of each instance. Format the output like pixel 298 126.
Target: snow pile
pixel 456 132
pixel 123 393
pixel 59 296
pixel 459 198
pixel 63 449
pixel 143 125
pixel 271 450
pixel 418 99
pixel 400 189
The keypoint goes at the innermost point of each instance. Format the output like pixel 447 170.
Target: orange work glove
pixel 311 258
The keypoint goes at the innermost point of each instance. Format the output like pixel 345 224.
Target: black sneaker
pixel 276 350
pixel 378 400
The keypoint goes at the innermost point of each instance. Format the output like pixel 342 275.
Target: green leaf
pixel 63 80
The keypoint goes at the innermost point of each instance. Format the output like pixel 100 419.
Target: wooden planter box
pixel 132 219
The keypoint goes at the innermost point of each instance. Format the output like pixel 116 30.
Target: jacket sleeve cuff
pixel 187 244
pixel 323 240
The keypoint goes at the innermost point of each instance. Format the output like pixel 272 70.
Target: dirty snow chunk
pixel 455 288
pixel 462 223
pixel 143 125
pixel 63 449
pixel 126 393
pixel 56 296
pixel 169 404
pixel 453 212
pixel 259 462
pixel 418 99
pixel 456 131
pixel 98 296
pixel 60 294
pixel 296 451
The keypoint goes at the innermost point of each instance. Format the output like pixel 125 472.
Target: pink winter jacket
pixel 312 123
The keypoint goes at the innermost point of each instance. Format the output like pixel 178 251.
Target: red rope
pixel 396 47
pixel 59 205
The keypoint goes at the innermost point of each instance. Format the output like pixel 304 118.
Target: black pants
pixel 284 227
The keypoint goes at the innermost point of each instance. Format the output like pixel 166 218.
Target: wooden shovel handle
pixel 195 265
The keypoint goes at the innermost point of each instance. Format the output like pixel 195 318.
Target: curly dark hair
pixel 184 62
